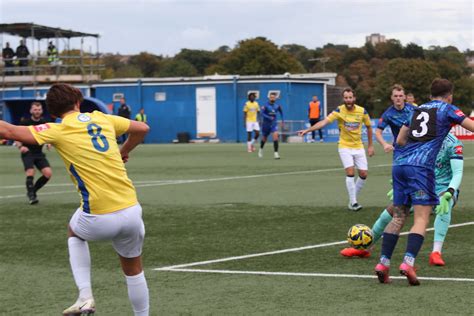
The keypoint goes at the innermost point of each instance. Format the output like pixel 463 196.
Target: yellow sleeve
pixel 121 124
pixel 367 119
pixel 333 116
pixel 246 108
pixel 45 133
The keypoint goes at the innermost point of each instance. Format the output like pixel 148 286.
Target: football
pixel 360 236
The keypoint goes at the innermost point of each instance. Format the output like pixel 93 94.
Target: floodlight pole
pixel 322 60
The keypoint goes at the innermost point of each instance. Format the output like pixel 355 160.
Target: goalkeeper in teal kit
pixel 448 173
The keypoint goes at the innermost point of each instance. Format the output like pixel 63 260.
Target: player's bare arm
pixel 403 136
pixel 315 127
pixel 17 133
pixel 468 124
pixel 370 147
pixel 386 146
pixel 137 132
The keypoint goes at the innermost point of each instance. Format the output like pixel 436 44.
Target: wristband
pixel 451 190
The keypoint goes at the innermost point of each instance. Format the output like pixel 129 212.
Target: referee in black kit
pixel 32 155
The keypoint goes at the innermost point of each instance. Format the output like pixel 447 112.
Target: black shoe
pixel 355 207
pixel 32 198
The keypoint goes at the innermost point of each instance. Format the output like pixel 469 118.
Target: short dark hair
pixel 62 98
pixel 409 94
pixel 252 95
pixel 36 104
pixel 441 88
pixel 348 90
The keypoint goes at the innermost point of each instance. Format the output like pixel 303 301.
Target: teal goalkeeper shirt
pixel 449 163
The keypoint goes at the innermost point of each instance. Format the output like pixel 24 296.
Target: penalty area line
pixel 303 274
pixel 276 252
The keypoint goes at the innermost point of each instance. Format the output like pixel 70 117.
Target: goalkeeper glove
pixel 443 207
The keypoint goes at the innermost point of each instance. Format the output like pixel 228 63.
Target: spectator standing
pixel 7 55
pixel 141 116
pixel 125 112
pixel 22 54
pixel 314 115
pixel 52 53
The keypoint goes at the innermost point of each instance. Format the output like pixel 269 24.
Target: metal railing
pixel 52 68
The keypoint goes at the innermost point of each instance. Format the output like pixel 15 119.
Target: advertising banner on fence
pixel 462 133
pixel 331 132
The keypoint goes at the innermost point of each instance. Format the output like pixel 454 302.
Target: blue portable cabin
pixel 211 107
pixel 15 103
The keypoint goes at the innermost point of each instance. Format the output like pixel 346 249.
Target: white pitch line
pixel 152 183
pixel 324 275
pixel 142 184
pixel 44 193
pixel 276 252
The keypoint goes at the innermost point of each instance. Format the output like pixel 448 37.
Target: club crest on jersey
pixel 83 117
pixel 459 113
pixel 41 127
pixel 458 150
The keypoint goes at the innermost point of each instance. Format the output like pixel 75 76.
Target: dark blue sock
pixel 415 241
pixel 388 244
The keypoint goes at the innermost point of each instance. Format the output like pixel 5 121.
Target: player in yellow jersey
pixel 109 208
pixel 251 110
pixel 350 119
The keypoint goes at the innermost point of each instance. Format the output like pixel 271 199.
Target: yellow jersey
pixel 251 108
pixel 350 125
pixel 87 144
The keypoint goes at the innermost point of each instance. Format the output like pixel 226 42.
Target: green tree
pixel 390 49
pixel 413 51
pixel 148 64
pixel 200 59
pixel 415 75
pixel 177 68
pixel 464 94
pixel 258 56
pixel 353 54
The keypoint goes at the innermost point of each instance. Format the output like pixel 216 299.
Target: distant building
pixel 375 38
pixel 470 61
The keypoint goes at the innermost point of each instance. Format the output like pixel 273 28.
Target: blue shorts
pixel 267 129
pixel 414 186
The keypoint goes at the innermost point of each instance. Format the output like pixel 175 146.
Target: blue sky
pixel 165 26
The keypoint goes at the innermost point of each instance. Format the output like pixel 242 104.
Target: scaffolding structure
pixel 70 66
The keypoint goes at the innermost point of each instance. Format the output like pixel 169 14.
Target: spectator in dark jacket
pixel 123 111
pixel 8 54
pixel 22 54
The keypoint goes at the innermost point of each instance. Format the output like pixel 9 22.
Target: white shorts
pixel 124 228
pixel 351 157
pixel 253 126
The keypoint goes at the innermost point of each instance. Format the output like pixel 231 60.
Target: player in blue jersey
pixel 413 173
pixel 449 171
pixel 269 124
pixel 394 117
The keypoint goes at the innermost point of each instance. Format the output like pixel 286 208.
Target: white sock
pixel 138 294
pixel 80 260
pixel 351 189
pixel 249 144
pixel 359 185
pixel 438 246
pixel 252 141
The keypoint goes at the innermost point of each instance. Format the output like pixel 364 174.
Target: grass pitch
pixel 207 202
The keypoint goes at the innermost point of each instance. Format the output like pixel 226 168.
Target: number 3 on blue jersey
pixel 423 125
pixel 95 134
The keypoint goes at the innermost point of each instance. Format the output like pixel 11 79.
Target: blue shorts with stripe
pixel 414 186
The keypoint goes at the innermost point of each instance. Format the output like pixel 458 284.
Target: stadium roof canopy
pixel 40 31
